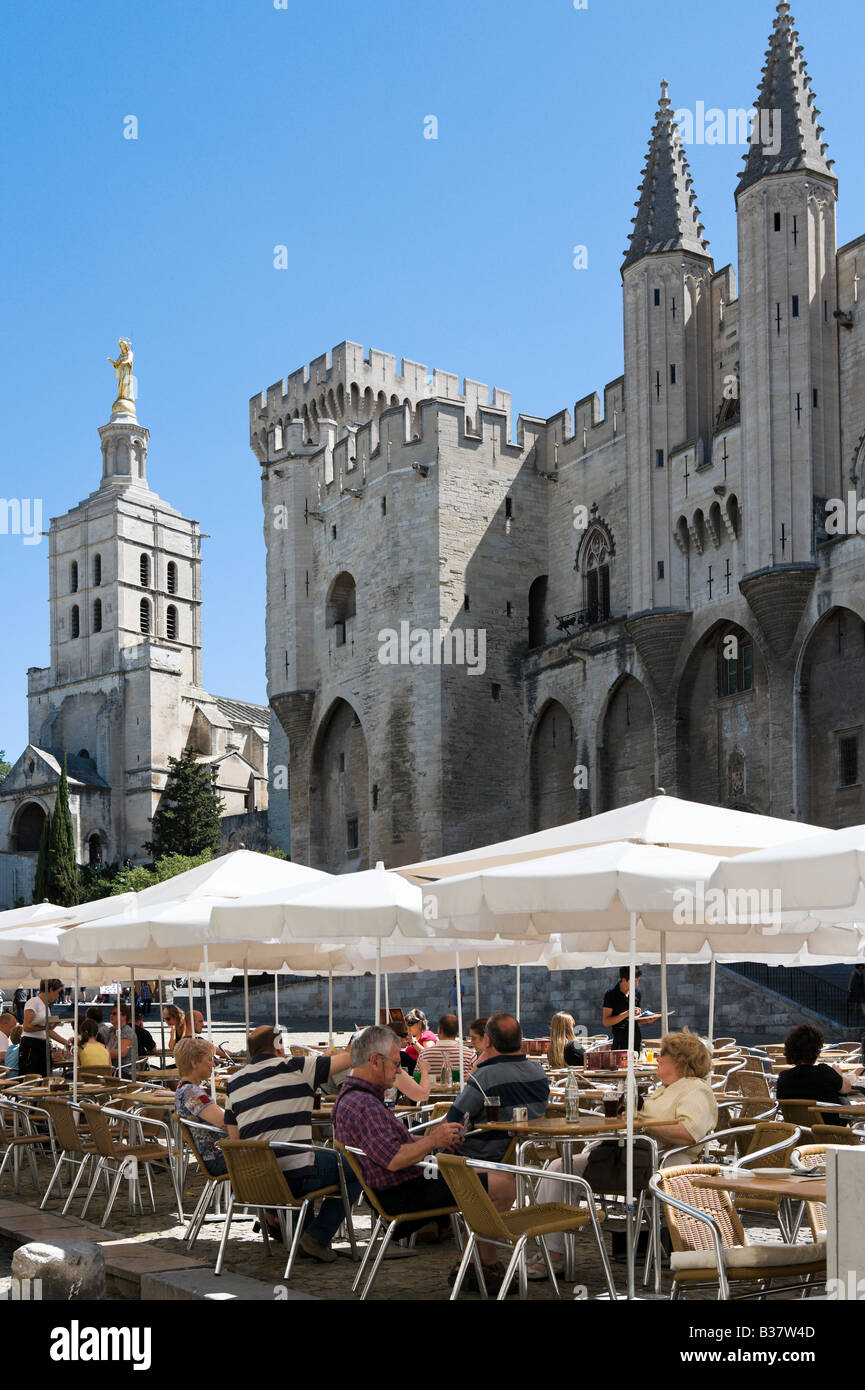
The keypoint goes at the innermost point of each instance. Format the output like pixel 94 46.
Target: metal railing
pixel 807 990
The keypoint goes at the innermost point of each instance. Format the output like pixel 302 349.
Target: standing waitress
pixel 616 1005
pixel 32 1054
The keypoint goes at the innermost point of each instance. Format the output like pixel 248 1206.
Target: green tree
pixel 61 877
pixel 40 883
pixel 5 768
pixel 187 819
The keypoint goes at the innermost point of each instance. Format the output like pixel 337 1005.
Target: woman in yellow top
pixel 92 1052
pixel 683 1110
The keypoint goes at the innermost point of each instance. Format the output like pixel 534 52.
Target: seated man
pixel 272 1098
pixel 447 1050
pixel 391 1158
pixel 508 1073
pixel 120 1044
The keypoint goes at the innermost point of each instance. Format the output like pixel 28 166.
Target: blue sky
pixel 304 126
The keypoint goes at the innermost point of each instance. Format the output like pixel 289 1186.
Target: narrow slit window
pixel 171 623
pixel 97 615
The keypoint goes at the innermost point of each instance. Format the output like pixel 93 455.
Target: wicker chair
pixel 211 1184
pixel 710 1244
pixel 22 1138
pixel 386 1223
pixel 811 1156
pixel 258 1182
pixel 764 1136
pixel 834 1134
pixel 115 1151
pixel 514 1229
pixel 75 1147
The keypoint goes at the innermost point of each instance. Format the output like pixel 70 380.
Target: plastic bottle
pixel 572 1098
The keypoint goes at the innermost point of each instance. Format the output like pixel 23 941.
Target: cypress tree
pixel 61 879
pixel 187 819
pixel 40 883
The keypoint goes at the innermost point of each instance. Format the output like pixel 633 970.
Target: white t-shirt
pixel 36 1006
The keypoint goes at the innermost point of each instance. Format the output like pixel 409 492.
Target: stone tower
pixel 123 689
pixel 786 202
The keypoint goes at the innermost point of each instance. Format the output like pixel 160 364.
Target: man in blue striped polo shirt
pixel 505 1072
pixel 272 1098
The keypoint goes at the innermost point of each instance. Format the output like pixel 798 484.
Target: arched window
pixel 144 611
pixel 144 571
pixel 595 562
pixel 171 577
pixel 97 571
pixel 341 605
pixel 75 621
pixel 734 514
pixel 683 535
pixel 97 615
pixel 94 849
pixel 171 623
pixel 537 611
pixel 73 577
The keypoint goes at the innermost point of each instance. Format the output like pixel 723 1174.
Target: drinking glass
pixel 492 1108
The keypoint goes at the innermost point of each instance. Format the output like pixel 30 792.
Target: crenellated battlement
pixel 352 388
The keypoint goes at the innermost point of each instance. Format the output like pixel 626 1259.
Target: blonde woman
pixel 683 1108
pixel 192 1101
pixel 563 1050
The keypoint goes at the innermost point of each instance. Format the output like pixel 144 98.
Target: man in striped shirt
pixel 447 1049
pixel 272 1098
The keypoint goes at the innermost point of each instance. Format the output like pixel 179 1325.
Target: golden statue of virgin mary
pixel 125 402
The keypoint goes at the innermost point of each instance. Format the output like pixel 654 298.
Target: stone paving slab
pixel 202 1284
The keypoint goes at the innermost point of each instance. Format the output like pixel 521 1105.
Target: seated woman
pixel 10 1056
pixel 477 1030
pixel 808 1079
pixel 419 1032
pixel 92 1051
pixel 684 1106
pixel 179 1027
pixel 563 1050
pixel 95 1016
pixel 194 1057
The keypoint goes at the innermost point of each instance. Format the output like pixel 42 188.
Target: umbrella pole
pixel 663 982
pixel 191 995
pixel 276 998
pixel 330 1006
pixel 246 1006
pixel 459 1016
pixel 161 1023
pixel 386 996
pixel 134 1050
pixel 377 980
pixel 629 1150
pixel 75 1043
pixel 209 1022
pixel 477 993
pixel 712 998
pixel 117 1032
pixel 518 993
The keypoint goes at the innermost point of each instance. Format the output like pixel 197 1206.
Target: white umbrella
pixel 372 903
pixel 823 875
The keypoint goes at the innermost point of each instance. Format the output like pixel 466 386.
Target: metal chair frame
pixel 128 1164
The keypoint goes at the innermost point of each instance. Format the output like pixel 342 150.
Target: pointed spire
pixel 668 218
pixel 786 133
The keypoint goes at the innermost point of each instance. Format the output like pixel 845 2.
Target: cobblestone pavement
pixel 420 1273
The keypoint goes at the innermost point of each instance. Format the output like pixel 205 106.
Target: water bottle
pixel 572 1098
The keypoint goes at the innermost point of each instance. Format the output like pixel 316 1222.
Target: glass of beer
pixel 492 1109
pixel 611 1104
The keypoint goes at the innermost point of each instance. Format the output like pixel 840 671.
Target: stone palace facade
pixel 473 633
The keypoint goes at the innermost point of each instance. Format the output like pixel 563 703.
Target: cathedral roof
pixel 668 218
pixel 785 91
pixel 241 712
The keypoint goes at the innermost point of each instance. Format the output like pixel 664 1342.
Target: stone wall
pixel 743 1009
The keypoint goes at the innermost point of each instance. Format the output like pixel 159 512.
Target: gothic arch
pixel 594 553
pixel 552 759
pixel 627 745
pixel 831 692
pixel 339 792
pixel 723 720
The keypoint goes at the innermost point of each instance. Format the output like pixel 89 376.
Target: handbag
pixel 606 1168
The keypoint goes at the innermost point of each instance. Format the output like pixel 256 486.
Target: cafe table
pixel 751 1183
pixel 568 1133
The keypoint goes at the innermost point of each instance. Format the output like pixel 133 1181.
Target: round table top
pixel 565 1129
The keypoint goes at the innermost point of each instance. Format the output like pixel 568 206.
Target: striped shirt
pixel 516 1081
pixel 272 1098
pixel 447 1049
